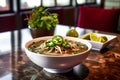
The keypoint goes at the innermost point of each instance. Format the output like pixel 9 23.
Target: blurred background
pixel 13 12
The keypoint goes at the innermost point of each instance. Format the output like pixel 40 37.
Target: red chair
pixel 98 18
pixel 7 22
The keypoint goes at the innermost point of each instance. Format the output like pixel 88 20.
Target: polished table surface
pixel 15 65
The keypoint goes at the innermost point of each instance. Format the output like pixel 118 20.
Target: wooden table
pixel 15 65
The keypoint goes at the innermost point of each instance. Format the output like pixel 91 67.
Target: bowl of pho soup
pixel 57 54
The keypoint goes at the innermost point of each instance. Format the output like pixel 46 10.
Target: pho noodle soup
pixel 57 46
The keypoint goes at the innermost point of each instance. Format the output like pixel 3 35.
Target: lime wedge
pixel 72 33
pixel 87 37
pixel 94 37
pixel 103 39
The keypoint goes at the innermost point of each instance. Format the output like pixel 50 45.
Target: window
pixel 52 3
pixel 63 2
pixel 81 1
pixel 26 4
pixel 90 1
pixel 48 3
pixel 4 5
pixel 85 1
pixel 8 5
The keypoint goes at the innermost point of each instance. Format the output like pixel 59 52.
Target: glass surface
pixel 98 1
pixel 63 2
pixel 85 1
pixel 4 5
pixel 5 37
pixel 26 4
pixel 24 39
pixel 5 48
pixel 48 3
pixel 90 1
pixel 80 1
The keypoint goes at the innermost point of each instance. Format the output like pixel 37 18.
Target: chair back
pixel 98 18
pixel 7 22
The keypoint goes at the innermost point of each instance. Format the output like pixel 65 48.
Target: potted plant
pixel 41 22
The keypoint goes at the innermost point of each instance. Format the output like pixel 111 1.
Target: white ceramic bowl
pixel 57 64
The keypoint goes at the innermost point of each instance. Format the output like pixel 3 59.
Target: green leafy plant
pixel 41 18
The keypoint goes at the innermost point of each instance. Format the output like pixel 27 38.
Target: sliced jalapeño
pixel 58 40
pixel 65 44
pixel 50 43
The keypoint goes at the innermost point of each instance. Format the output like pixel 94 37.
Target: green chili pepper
pixel 73 53
pixel 58 40
pixel 66 45
pixel 50 43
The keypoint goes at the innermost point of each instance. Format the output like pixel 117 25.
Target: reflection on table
pixel 15 65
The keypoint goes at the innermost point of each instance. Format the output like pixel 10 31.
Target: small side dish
pixel 95 37
pixel 98 40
